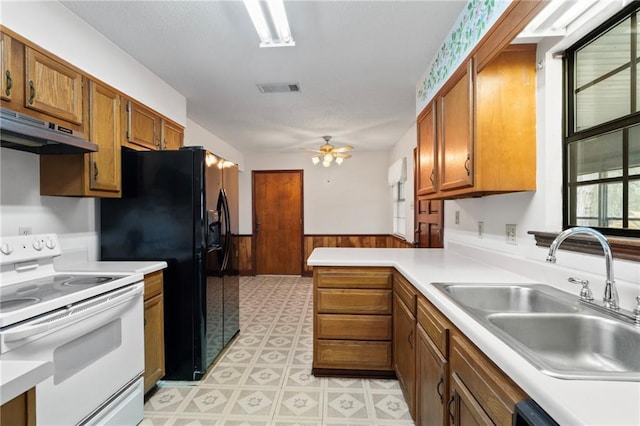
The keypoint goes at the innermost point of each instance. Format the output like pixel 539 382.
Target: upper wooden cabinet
pixel 426 169
pixel 95 174
pixel 142 128
pixel 171 137
pixel 6 67
pixel 52 87
pixel 485 129
pixel 455 130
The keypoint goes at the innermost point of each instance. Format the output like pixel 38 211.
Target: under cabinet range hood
pixel 25 133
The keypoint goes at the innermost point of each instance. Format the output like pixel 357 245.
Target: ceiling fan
pixel 328 153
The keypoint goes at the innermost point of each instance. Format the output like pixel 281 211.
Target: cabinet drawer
pixel 353 355
pixel 353 277
pixel 493 390
pixel 340 301
pixel 405 291
pixel 354 327
pixel 152 284
pixel 435 324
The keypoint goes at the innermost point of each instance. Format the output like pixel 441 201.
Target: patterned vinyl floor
pixel 264 377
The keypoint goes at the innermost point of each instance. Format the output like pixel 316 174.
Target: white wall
pixel 404 148
pixel 352 198
pixel 55 28
pixel 196 135
pixel 540 210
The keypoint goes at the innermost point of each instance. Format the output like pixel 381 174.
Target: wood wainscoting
pixel 312 241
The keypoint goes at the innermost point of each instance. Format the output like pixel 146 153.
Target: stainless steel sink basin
pixel 552 330
pixel 579 346
pixel 510 297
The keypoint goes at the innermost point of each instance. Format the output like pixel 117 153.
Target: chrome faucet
pixel 610 299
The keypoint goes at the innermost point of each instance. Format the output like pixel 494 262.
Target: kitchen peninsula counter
pixel 569 402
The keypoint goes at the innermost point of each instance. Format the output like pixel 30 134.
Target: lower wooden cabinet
pixel 464 409
pixel 432 381
pixel 153 330
pixel 20 411
pixel 352 321
pixel 404 325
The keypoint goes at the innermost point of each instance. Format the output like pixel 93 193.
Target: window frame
pixel 624 123
pixel 399 197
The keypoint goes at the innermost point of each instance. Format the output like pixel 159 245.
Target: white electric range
pixel 88 325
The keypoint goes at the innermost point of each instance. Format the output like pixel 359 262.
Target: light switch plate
pixel 511 234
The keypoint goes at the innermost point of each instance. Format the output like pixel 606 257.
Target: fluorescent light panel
pixel 272 27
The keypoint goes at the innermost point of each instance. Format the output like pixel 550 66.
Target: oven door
pixel 96 348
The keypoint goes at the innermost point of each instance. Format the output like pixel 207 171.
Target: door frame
pixel 254 256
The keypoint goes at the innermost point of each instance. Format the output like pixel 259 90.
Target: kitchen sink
pixel 552 330
pixel 510 297
pixel 579 346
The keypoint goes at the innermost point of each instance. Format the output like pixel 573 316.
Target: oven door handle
pixel 72 314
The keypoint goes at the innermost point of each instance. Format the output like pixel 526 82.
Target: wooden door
pixel 432 382
pixel 143 126
pixel 425 167
pixel 277 222
pixel 104 119
pixel 455 132
pixel 8 74
pixel 403 350
pixel 464 409
pixel 52 88
pixel 171 136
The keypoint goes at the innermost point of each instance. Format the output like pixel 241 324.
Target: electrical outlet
pixel 457 217
pixel 480 229
pixel 511 234
pixel 24 230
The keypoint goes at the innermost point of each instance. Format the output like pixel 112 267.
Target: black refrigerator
pixel 181 207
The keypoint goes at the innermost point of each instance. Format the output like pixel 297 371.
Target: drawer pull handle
pixel 7 91
pixel 32 92
pixel 438 389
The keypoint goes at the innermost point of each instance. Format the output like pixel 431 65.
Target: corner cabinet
pixel 352 322
pixel 485 133
pixel 95 174
pixel 153 330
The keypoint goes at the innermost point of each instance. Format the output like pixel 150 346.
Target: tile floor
pixel 264 377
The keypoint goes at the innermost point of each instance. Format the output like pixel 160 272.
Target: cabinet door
pixel 143 126
pixel 52 88
pixel 6 82
pixel 432 382
pixel 104 119
pixel 171 136
pixel 455 132
pixel 426 167
pixel 464 409
pixel 21 410
pixel 403 349
pixel 153 341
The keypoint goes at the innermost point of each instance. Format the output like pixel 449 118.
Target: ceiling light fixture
pixel 270 20
pixel 328 153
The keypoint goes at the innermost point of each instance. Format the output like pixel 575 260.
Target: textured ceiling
pixel 357 63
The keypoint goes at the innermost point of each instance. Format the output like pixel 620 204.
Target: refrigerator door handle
pixel 223 204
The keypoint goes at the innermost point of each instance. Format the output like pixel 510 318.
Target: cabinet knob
pixel 7 91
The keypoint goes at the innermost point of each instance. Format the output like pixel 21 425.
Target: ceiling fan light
pixel 315 160
pixel 328 158
pixel 339 160
pixel 326 163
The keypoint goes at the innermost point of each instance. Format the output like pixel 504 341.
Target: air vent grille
pixel 279 87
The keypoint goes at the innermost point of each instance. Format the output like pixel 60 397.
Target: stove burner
pixel 13 304
pixel 86 281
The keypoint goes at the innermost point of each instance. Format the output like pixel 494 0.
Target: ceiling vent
pixel 279 87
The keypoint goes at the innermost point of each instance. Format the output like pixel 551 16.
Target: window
pixel 398 209
pixel 602 138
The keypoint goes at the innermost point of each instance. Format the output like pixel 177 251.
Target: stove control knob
pixel 37 244
pixel 50 243
pixel 6 249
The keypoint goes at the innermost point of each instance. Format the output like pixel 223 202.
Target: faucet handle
pixel 585 292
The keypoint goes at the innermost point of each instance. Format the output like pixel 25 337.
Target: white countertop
pixel 114 266
pixel 569 402
pixel 17 377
